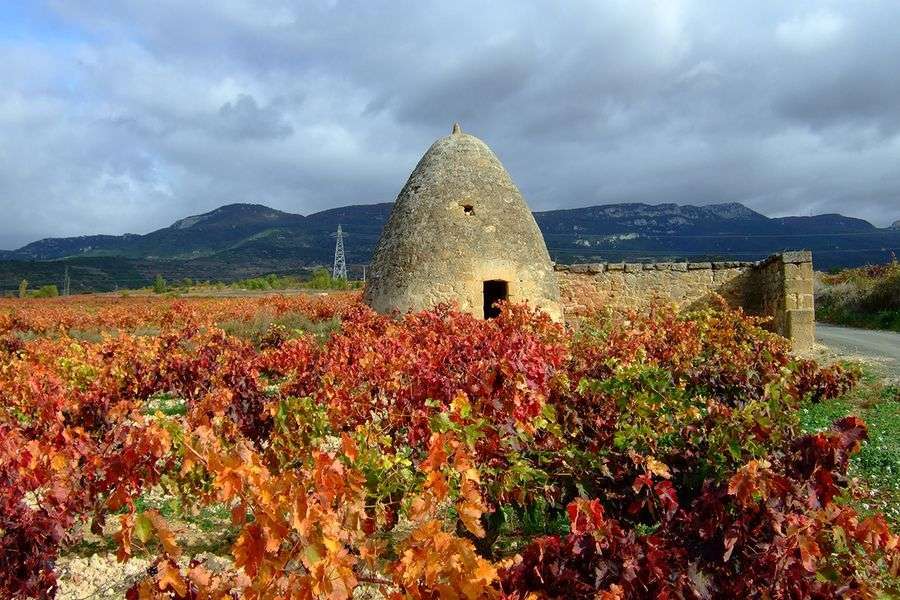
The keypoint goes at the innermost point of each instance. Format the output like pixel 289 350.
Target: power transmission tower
pixel 66 282
pixel 340 264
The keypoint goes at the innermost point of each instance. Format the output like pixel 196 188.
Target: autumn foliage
pixel 432 455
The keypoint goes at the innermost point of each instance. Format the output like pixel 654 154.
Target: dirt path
pixel 882 347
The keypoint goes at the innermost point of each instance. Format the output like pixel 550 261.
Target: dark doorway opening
pixel 494 291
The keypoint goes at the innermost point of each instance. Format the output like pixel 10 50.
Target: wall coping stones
pixel 601 267
pixel 792 257
pixel 797 256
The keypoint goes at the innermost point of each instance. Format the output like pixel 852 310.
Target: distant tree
pixel 187 282
pixel 254 283
pixel 46 291
pixel 269 282
pixel 23 288
pixel 322 280
pixel 159 285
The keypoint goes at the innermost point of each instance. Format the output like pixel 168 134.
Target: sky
pixel 125 116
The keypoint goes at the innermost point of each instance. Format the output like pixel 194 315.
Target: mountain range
pixel 245 240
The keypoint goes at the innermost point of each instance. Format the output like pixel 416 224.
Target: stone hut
pixel 461 232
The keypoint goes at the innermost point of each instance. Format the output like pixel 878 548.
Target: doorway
pixel 494 291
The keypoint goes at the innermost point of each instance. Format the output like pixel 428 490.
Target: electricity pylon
pixel 340 264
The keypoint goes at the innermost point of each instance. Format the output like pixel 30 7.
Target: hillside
pixel 641 232
pixel 244 240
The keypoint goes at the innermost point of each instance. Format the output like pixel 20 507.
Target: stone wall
pixel 780 286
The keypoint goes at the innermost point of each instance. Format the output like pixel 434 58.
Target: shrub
pixel 321 279
pixel 864 297
pixel 45 291
pixel 159 285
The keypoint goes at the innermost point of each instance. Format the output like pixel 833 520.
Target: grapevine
pixel 431 455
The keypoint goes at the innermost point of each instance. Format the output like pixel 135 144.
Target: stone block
pixel 679 266
pixel 696 266
pixel 791 301
pixel 800 328
pixel 798 271
pixel 596 267
pixel 633 267
pixel 793 285
pixel 797 256
pixel 580 268
pixel 615 266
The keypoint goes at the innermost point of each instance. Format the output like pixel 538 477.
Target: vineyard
pixel 431 456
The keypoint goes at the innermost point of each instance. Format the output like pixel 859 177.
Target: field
pixel 867 297
pixel 304 447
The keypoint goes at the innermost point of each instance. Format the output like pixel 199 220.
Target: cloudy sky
pixel 125 116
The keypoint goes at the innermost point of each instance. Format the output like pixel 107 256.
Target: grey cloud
pixel 244 119
pixel 145 112
pixel 849 78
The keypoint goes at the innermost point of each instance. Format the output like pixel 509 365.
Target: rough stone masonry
pixel 780 287
pixel 460 231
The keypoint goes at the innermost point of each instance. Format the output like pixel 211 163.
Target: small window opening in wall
pixel 495 290
pixel 468 209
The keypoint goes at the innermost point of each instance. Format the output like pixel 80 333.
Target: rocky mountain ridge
pixel 243 240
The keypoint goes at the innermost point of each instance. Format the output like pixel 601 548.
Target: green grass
pixel 166 404
pixel 213 520
pixel 292 324
pixel 877 465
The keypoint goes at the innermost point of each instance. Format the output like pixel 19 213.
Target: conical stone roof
pixel 458 222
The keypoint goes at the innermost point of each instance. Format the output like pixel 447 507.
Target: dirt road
pixel 881 346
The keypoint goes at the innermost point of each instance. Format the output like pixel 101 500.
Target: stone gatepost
pixel 783 289
pixel 798 320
